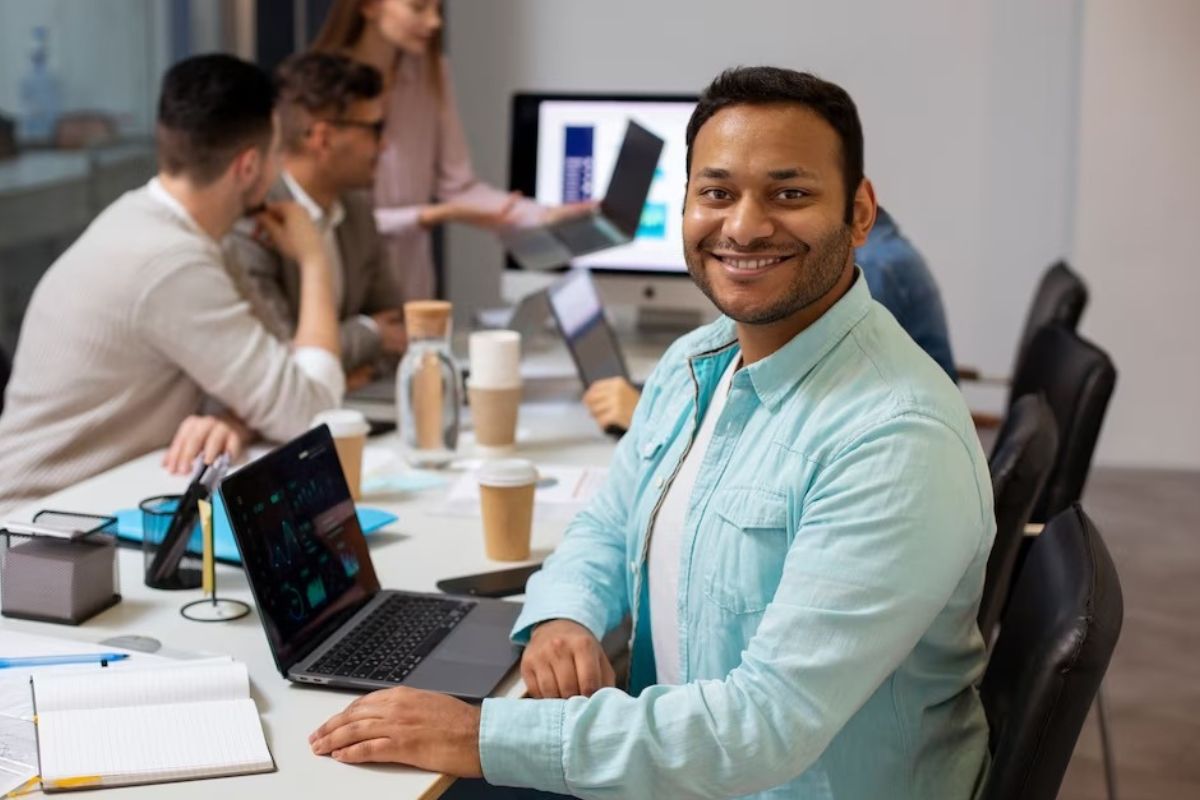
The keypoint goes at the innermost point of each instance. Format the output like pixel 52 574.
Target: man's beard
pixel 817 272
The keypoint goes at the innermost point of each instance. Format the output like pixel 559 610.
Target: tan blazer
pixel 369 285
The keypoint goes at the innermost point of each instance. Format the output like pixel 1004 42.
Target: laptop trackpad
pixel 473 642
pixel 455 677
pixel 468 662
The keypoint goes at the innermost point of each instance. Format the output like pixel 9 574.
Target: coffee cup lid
pixel 495 337
pixel 507 472
pixel 343 422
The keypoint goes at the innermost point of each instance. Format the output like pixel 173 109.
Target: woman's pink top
pixel 424 159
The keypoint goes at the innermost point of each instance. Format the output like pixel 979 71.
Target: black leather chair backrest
pixel 1021 460
pixel 1060 298
pixel 1077 380
pixel 1056 638
pixel 5 372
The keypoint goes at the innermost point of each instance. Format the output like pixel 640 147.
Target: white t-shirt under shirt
pixel 667 536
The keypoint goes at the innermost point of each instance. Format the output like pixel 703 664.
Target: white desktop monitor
pixel 563 148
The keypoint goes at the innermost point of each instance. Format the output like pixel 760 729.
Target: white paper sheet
pixel 561 494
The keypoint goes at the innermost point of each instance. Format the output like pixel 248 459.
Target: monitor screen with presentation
pixel 563 151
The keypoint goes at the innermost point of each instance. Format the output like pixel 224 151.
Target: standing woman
pixel 424 176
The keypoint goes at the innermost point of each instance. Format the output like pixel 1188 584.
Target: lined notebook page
pixel 151 744
pixel 182 684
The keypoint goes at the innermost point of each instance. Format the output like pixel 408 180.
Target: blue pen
pixel 49 661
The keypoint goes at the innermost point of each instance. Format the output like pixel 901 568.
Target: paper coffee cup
pixel 495 358
pixel 506 490
pixel 349 429
pixel 494 415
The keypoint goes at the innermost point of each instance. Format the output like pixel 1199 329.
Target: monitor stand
pixel 667 320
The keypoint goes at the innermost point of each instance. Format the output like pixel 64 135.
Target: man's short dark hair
pixel 777 86
pixel 210 109
pixel 320 85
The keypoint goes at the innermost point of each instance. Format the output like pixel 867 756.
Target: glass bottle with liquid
pixel 41 93
pixel 428 394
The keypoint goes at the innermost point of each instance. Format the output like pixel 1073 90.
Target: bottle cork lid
pixel 424 319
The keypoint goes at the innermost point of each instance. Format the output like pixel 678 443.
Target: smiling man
pixel 798 522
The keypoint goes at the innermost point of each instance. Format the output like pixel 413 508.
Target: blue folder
pixel 129 527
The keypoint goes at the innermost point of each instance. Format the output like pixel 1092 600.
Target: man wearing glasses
pixel 331 115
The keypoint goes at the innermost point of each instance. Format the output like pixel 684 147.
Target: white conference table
pixel 413 553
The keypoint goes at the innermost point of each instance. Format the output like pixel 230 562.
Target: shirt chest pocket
pixel 746 541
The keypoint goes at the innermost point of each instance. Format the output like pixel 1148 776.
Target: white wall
pixel 1135 228
pixel 969 110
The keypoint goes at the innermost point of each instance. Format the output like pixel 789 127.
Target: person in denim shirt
pixel 899 279
pixel 797 523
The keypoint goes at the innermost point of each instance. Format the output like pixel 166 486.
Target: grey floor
pixel 1150 521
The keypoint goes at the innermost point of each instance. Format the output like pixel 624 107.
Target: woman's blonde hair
pixel 344 26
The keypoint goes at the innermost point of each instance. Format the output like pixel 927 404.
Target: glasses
pixel 376 127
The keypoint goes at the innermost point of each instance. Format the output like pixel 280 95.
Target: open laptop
pixel 577 310
pixel 327 620
pixel 614 222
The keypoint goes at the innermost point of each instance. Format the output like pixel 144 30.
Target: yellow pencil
pixel 73 783
pixel 208 577
pixel 26 787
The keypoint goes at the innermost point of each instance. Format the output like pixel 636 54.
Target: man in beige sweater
pixel 139 321
pixel 330 111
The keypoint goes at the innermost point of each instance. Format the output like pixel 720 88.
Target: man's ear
pixel 318 138
pixel 863 218
pixel 247 167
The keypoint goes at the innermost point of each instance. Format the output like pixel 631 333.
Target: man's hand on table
pixel 206 436
pixel 439 733
pixel 359 377
pixel 564 659
pixel 427 730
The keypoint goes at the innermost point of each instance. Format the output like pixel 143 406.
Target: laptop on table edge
pixel 316 589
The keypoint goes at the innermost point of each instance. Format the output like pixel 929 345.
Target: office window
pixel 78 86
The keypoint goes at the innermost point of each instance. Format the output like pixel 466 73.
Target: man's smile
pixel 747 265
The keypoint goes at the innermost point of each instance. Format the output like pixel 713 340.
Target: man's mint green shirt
pixel 831 566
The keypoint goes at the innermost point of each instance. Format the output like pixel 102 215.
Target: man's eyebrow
pixel 787 174
pixel 791 173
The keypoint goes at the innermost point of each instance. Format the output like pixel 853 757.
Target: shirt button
pixel 633 566
pixel 648 450
pixel 658 482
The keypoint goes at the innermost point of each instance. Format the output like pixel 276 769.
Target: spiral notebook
pixel 147 726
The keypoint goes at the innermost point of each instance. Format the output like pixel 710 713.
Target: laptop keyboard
pixel 390 642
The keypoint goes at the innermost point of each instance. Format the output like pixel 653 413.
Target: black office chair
pixel 5 372
pixel 1056 638
pixel 1077 379
pixel 1025 452
pixel 1059 299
